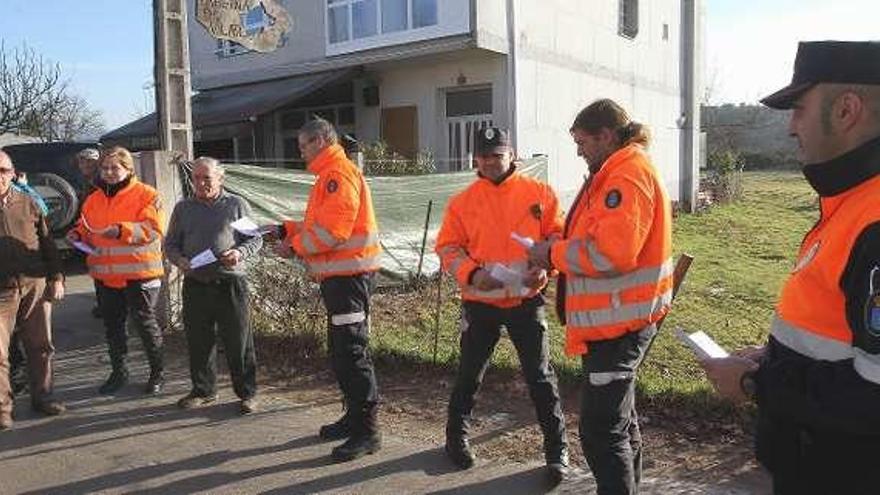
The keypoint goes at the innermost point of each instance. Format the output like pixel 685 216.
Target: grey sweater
pixel 196 226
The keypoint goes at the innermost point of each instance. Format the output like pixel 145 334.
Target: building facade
pixel 423 75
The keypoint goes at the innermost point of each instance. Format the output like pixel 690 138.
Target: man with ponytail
pixel 615 283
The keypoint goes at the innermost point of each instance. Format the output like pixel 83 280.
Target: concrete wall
pixel 423 83
pixel 569 53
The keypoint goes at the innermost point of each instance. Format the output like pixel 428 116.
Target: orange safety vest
pixel 339 235
pixel 811 315
pixel 616 252
pixel 137 253
pixel 476 232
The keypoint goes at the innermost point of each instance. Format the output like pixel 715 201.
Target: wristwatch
pixel 748 385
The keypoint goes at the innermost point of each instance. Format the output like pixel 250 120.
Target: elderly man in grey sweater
pixel 215 296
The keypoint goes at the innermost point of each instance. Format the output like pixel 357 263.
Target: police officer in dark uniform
pixel 817 381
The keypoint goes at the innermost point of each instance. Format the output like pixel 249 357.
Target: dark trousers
pixel 526 325
pixel 807 461
pixel 17 363
pixel 212 308
pixel 347 300
pixel 609 425
pixel 136 302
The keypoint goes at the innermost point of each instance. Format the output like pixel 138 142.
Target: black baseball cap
pixel 843 62
pixel 491 140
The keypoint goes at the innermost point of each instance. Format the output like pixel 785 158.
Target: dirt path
pixel 137 444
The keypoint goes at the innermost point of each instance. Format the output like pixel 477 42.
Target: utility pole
pixel 171 45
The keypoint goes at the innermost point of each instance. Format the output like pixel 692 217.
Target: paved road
pixel 136 444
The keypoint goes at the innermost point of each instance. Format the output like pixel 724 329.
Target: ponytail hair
pixel 606 114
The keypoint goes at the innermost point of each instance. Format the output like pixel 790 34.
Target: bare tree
pixel 64 118
pixel 35 99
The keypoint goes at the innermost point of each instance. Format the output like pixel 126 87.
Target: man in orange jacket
pixel 339 241
pixel 477 244
pixel 817 381
pixel 615 284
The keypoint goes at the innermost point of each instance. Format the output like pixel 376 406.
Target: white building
pixel 423 74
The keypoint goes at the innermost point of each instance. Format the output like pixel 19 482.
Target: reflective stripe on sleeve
pixel 808 343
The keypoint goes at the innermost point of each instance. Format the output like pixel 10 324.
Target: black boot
pixel 557 465
pixel 365 438
pixel 155 383
pixel 336 431
pixel 117 379
pixel 458 449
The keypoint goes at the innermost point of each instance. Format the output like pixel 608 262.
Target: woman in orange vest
pixel 817 381
pixel 339 241
pixel 615 283
pixel 123 224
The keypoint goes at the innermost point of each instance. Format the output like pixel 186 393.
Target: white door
pixel 461 132
pixel 467 111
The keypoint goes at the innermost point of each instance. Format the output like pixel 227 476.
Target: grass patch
pixel 743 253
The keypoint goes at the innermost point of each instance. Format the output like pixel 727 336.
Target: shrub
pixel 723 181
pixel 379 159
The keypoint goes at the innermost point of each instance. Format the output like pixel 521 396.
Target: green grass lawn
pixel 743 252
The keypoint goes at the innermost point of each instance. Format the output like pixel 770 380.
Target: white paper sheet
pixel 526 242
pixel 246 226
pixel 702 345
pixel 206 257
pixel 82 246
pixel 511 279
pixel 505 275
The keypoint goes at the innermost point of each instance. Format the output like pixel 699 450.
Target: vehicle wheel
pixel 59 196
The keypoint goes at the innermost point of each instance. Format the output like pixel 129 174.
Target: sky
pixel 105 47
pixel 751 44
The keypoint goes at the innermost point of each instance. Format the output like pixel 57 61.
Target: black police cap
pixel 491 140
pixel 844 62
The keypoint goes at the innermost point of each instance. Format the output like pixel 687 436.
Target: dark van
pixel 51 170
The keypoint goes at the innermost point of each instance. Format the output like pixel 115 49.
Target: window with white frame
pixel 356 19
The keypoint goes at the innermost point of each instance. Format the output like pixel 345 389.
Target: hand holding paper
pixel 204 258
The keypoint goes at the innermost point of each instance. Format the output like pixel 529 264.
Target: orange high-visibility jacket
pixel 477 226
pixel 811 317
pixel 137 253
pixel 339 234
pixel 616 252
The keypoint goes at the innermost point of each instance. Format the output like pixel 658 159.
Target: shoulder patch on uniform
pixel 536 210
pixel 872 305
pixel 332 186
pixel 613 198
